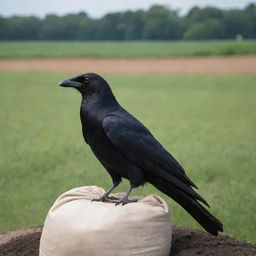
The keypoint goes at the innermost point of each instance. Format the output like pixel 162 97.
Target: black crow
pixel 126 148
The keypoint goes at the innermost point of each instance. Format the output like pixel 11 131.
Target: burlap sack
pixel 75 226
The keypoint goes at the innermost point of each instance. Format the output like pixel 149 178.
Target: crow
pixel 127 149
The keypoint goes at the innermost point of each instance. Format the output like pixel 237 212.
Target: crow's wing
pixel 136 143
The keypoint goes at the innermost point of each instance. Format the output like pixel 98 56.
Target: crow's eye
pixel 86 80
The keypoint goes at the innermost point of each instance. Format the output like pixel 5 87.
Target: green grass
pixel 207 122
pixel 136 49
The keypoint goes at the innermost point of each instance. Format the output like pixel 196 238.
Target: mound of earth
pixel 185 242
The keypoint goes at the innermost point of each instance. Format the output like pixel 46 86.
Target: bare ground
pixel 185 242
pixel 195 65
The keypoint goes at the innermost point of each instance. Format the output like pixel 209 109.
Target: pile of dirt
pixel 185 242
pixel 191 242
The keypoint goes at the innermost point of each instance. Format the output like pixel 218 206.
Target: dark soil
pixel 191 242
pixel 185 242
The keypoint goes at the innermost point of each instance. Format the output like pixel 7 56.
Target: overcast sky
pixel 97 8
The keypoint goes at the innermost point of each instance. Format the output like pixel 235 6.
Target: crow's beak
pixel 71 82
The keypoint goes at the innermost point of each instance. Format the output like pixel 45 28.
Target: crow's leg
pixel 106 194
pixel 124 200
pixel 136 178
pixel 116 181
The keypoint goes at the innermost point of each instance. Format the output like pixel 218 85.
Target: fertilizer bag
pixel 77 226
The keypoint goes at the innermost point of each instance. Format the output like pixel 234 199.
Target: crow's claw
pixel 125 201
pixel 101 199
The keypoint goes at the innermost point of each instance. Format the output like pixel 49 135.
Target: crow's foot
pixel 104 198
pixel 101 199
pixel 125 201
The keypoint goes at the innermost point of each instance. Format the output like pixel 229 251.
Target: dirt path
pixel 198 65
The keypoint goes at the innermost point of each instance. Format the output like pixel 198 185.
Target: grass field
pixel 135 49
pixel 207 122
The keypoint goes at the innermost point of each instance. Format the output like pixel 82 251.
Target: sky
pixel 97 8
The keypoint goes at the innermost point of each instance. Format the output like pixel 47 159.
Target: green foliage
pixel 19 28
pixel 132 25
pixel 235 22
pixel 161 23
pixel 157 23
pixel 197 14
pixel 209 23
pixel 207 122
pixel 131 49
pixel 210 29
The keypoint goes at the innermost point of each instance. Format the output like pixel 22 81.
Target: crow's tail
pixel 189 203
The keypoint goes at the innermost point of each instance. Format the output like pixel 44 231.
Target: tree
pixel 72 25
pixel 210 29
pixel 52 28
pixel 3 29
pixel 197 14
pixel 250 13
pixel 21 28
pixel 161 23
pixel 157 23
pixel 109 27
pixel 234 23
pixel 132 24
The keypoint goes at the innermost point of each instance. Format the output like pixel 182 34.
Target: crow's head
pixel 86 84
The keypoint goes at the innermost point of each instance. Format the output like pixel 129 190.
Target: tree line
pixel 157 23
